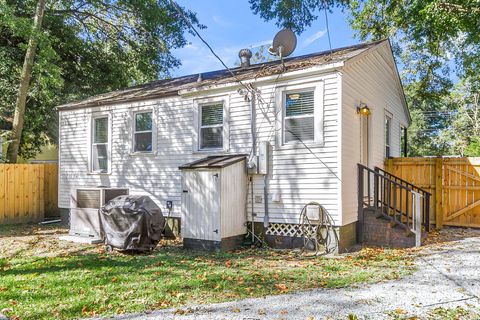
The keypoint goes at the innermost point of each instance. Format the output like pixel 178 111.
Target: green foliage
pixel 473 149
pixel 86 48
pixel 433 41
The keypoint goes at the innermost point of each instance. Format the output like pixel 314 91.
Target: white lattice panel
pixel 291 230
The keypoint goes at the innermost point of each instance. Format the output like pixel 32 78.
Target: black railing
pixel 425 199
pixel 392 197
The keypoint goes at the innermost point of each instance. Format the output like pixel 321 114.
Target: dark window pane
pixel 100 158
pixel 143 142
pixel 388 123
pixel 100 134
pixel 143 121
pixel 299 129
pixel 212 114
pixel 211 138
pixel 297 104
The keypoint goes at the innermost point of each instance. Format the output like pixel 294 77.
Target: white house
pixel 306 108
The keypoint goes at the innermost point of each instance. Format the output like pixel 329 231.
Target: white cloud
pixel 221 21
pixel 313 38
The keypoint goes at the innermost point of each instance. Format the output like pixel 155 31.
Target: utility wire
pixel 182 14
pixel 326 22
pixel 313 153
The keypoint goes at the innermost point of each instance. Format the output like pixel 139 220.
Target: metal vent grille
pixel 88 198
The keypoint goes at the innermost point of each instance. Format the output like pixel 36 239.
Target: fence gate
pixel 461 192
pixel 453 182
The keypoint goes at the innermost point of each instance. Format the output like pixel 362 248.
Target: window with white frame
pixel 143 132
pixel 403 141
pixel 388 134
pixel 211 126
pixel 100 144
pixel 299 116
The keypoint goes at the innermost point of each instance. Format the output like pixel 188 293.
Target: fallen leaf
pixel 228 264
pixel 281 286
pixel 236 310
pixel 400 311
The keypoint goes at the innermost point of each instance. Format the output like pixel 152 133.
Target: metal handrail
pixel 402 180
pixel 391 195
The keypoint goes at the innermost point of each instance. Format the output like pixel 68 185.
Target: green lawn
pixel 44 278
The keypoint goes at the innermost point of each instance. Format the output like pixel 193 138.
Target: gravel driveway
pixel 448 276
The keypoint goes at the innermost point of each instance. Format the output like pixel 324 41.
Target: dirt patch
pixel 35 240
pixel 450 234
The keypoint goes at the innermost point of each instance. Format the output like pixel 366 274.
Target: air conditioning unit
pixel 84 204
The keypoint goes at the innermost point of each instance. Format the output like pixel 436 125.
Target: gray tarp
pixel 132 223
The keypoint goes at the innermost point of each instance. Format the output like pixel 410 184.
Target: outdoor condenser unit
pixel 85 203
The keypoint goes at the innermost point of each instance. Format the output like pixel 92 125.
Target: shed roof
pixel 171 87
pixel 214 162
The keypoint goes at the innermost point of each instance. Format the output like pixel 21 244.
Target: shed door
pixel 201 205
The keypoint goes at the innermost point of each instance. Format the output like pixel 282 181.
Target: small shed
pixel 214 191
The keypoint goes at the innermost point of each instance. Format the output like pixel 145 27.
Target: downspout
pixel 253 153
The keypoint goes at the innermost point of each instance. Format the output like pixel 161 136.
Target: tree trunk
pixel 25 77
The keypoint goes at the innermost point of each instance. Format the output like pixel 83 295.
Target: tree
pixel 25 83
pixel 85 48
pixel 434 41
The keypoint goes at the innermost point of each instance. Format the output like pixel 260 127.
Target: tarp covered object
pixel 132 223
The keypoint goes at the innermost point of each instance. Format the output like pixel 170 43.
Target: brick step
pixel 380 230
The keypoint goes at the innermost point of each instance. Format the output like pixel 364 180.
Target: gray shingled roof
pixel 171 87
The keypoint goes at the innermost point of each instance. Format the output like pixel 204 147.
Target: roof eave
pixel 266 79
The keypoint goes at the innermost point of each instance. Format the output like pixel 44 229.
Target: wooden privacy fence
pixel 28 192
pixel 453 182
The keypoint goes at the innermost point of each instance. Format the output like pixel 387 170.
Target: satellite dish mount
pixel 284 44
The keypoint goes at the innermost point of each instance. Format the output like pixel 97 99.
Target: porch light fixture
pixel 363 110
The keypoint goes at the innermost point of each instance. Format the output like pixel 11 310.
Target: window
pixel 388 133
pixel 403 141
pixel 299 119
pixel 100 141
pixel 143 132
pixel 211 126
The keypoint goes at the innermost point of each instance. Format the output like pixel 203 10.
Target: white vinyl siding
pixel 370 79
pixel 143 132
pixel 295 173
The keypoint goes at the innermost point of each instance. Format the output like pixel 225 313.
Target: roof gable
pixel 390 58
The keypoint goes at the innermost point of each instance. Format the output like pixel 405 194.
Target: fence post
pixel 389 165
pixel 439 192
pixel 417 220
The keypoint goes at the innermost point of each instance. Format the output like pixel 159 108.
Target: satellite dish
pixel 284 43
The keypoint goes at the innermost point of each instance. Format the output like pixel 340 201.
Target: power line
pixel 182 14
pixel 248 88
pixel 326 22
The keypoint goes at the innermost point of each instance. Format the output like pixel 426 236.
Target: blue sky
pixel 231 26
